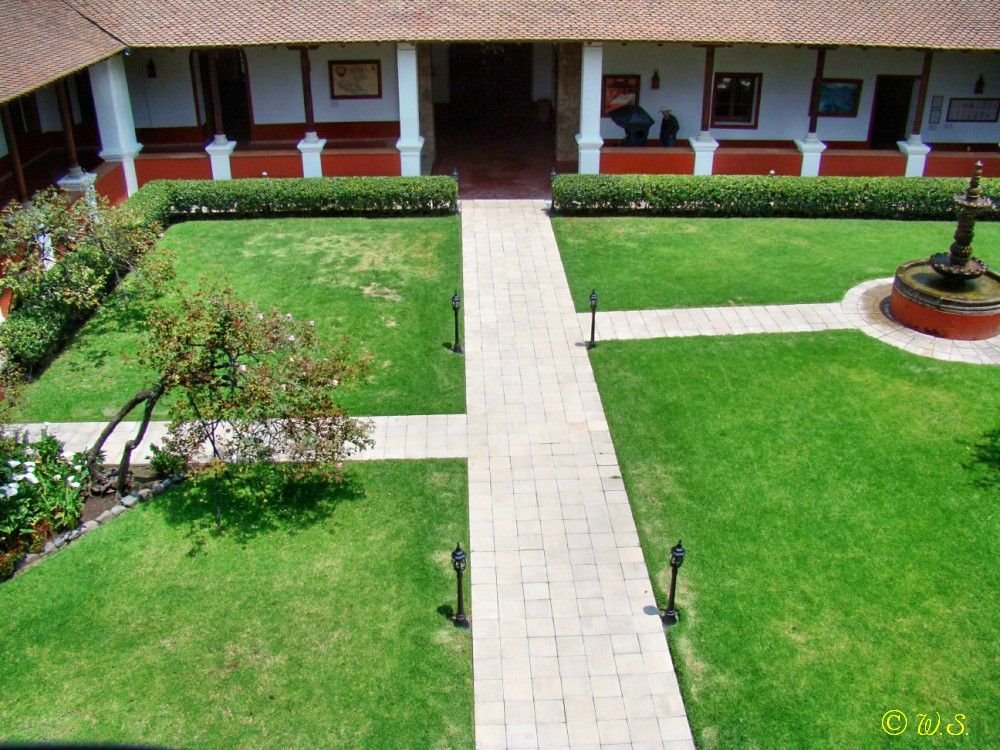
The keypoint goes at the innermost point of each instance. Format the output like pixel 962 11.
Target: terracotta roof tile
pixel 44 40
pixel 955 24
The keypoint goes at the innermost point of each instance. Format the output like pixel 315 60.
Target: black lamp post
pixel 456 303
pixel 593 318
pixel 458 562
pixel 676 560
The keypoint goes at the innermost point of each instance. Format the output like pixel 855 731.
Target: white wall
pixel 167 100
pixel 866 64
pixel 543 72
pixel 953 74
pixel 681 69
pixel 786 86
pixel 276 85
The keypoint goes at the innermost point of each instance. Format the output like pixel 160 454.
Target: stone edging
pixel 61 541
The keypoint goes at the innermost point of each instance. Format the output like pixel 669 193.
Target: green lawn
pixel 650 263
pixel 838 501
pixel 384 283
pixel 313 621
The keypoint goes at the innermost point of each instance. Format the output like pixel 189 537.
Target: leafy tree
pixel 248 386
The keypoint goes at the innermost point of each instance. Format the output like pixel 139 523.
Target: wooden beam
pixel 15 154
pixel 213 85
pixel 706 95
pixel 307 95
pixel 814 97
pixel 925 77
pixel 66 117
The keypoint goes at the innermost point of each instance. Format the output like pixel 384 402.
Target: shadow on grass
pixel 985 461
pixel 121 314
pixel 253 502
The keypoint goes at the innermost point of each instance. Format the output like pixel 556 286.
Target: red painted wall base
pixel 172 167
pixel 628 160
pixel 111 182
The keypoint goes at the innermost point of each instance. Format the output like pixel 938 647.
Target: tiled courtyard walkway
pixel 568 649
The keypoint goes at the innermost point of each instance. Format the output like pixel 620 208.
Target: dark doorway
pixel 501 142
pixel 234 93
pixel 891 110
pixel 490 81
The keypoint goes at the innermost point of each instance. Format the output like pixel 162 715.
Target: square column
pixel 410 142
pixel 219 152
pixel 588 140
pixel 704 146
pixel 114 117
pixel 311 148
pixel 916 155
pixel 812 149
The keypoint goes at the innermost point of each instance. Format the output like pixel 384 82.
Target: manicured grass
pixel 312 621
pixel 384 283
pixel 838 501
pixel 651 263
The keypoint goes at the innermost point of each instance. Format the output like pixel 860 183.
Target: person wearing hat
pixel 668 128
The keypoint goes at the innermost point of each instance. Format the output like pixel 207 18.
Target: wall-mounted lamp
pixel 980 85
pixel 151 69
pixel 654 82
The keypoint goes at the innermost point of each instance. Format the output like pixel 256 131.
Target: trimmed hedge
pixel 169 201
pixel 759 196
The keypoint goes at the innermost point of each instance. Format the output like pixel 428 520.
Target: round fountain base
pixel 925 301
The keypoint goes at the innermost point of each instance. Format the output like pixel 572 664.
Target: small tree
pixel 250 387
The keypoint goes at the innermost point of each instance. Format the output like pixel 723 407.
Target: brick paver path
pixel 568 650
pixel 420 436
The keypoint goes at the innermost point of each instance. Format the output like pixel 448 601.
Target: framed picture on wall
pixel 839 97
pixel 618 91
pixel 973 110
pixel 355 79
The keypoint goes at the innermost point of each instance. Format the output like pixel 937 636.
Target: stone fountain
pixel 952 295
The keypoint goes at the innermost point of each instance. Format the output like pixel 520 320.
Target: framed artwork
pixel 935 117
pixel 618 91
pixel 839 97
pixel 973 110
pixel 355 79
pixel 937 101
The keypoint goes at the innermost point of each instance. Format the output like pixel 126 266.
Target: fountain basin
pixel 927 302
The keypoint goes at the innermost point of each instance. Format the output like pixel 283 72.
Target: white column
pixel 704 146
pixel 311 148
pixel 589 140
pixel 812 149
pixel 219 152
pixel 114 117
pixel 916 155
pixel 410 141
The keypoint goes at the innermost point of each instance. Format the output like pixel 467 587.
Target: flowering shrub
pixel 40 492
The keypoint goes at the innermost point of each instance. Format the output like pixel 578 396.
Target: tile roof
pixel 44 39
pixel 962 24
